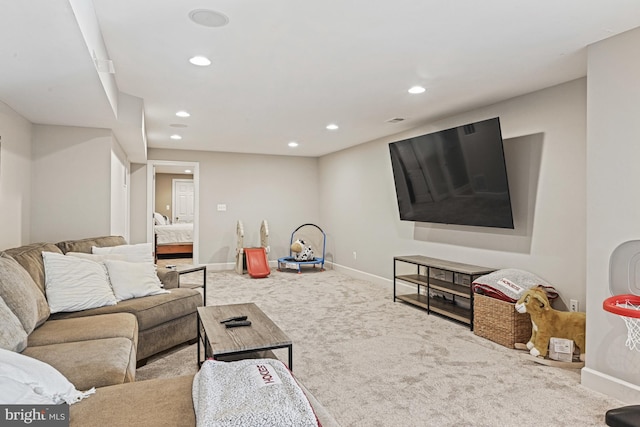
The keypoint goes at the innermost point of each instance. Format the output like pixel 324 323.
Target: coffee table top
pixel 262 334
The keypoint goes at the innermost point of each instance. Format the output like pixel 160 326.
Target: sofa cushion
pixel 164 402
pixel 43 379
pixel 123 325
pixel 94 363
pixel 12 334
pixel 22 295
pixel 150 311
pixel 74 284
pixel 30 258
pixel 84 245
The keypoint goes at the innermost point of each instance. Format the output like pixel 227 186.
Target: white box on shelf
pixel 561 349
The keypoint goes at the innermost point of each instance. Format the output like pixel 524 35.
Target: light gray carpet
pixel 373 362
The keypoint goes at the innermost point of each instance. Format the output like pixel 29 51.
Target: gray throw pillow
pixel 12 335
pixel 22 295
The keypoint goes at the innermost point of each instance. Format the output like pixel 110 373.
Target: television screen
pixel 455 176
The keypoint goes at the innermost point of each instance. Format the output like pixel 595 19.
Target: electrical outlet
pixel 573 305
pixel 355 255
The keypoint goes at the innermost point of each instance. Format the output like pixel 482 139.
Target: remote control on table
pixel 234 319
pixel 235 324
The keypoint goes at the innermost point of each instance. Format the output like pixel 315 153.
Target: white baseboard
pixel 401 288
pixel 611 386
pixel 221 266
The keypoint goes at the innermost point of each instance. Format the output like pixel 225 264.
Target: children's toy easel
pixel 253 260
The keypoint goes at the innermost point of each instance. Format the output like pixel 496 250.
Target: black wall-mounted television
pixel 454 176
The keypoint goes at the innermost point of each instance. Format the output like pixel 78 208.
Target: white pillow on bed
pixel 74 284
pixel 141 252
pixel 133 279
pixel 25 380
pixel 159 219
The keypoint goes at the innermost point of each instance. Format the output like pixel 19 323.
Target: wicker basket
pixel 499 321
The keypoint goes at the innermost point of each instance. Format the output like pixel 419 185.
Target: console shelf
pixel 442 287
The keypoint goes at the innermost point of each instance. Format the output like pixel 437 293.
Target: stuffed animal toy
pixel 548 322
pixel 302 252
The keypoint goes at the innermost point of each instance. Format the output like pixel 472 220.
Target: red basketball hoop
pixel 628 307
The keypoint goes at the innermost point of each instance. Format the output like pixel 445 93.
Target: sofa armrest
pixel 169 278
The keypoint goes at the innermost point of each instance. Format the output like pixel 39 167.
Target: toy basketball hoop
pixel 627 306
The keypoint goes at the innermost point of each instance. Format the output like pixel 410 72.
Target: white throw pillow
pixel 141 252
pixel 133 279
pixel 96 257
pixel 25 380
pixel 74 284
pixel 159 219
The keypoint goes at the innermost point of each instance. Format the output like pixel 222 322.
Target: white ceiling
pixel 282 70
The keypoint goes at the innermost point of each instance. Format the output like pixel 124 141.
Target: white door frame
pixel 151 196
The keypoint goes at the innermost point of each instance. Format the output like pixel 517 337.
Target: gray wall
pixel 138 203
pixel 545 147
pixel 613 208
pixel 281 189
pixel 15 178
pixel 71 186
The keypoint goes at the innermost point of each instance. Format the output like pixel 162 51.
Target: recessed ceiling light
pixel 178 125
pixel 293 144
pixel 187 171
pixel 201 61
pixel 417 89
pixel 183 113
pixel 176 137
pixel 208 18
pixel 332 126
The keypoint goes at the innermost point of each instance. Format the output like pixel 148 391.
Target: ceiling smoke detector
pixel 395 120
pixel 208 18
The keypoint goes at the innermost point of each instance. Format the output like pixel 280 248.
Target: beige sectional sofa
pixel 99 347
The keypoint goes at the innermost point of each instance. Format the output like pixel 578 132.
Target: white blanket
pixel 510 284
pixel 250 392
pixel 174 233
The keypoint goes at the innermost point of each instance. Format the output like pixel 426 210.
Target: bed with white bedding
pixel 173 239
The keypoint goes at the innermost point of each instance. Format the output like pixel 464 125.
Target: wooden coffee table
pixel 219 340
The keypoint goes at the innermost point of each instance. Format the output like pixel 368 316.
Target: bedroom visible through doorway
pixel 173 210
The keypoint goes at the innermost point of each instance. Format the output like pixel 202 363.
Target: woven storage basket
pixel 499 321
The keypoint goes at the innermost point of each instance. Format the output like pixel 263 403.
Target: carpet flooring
pixel 373 362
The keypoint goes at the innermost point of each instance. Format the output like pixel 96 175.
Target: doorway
pixel 156 169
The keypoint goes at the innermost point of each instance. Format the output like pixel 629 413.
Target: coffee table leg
pixel 199 337
pixel 291 357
